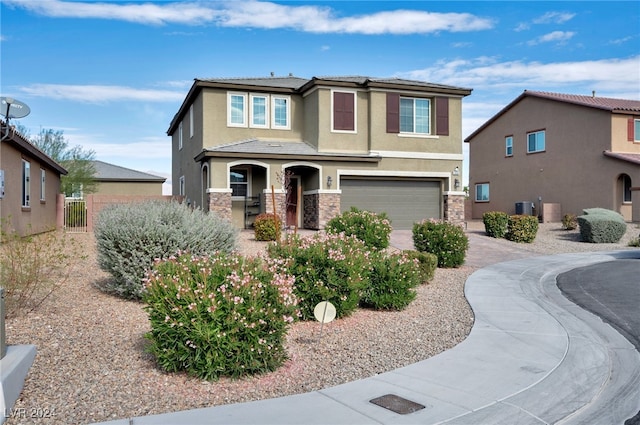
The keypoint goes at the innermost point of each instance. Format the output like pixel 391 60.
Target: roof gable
pixel 111 172
pixel 22 144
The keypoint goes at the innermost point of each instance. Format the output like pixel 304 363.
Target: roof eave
pixel 249 155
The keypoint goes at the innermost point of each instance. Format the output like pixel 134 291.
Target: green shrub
pixel 634 242
pixel 327 267
pixel 446 240
pixel 569 222
pixel 374 229
pixel 218 316
pixel 495 223
pixel 427 263
pixel 131 236
pixel 522 228
pixel 599 225
pixel 267 227
pixel 391 282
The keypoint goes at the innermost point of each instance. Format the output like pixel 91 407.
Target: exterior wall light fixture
pixel 329 182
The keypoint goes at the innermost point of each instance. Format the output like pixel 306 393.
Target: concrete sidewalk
pixel 532 357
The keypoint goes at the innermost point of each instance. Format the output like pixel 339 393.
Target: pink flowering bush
pixel 219 315
pixel 392 281
pixel 446 240
pixel 327 267
pixel 371 228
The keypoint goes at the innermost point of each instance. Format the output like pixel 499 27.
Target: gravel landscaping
pixel 91 363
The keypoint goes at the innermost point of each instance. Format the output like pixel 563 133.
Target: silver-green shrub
pixel 599 225
pixel 131 236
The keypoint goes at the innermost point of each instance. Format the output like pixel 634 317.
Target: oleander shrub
pixel 392 280
pixel 569 222
pixel 522 228
pixel 131 236
pixel 218 315
pixel 267 227
pixel 599 225
pixel 427 264
pixel 446 240
pixel 327 267
pixel 495 223
pixel 372 228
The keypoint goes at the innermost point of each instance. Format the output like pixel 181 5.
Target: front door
pixel 292 201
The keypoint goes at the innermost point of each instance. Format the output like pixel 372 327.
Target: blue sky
pixel 112 74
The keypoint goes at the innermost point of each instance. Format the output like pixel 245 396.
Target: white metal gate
pixel 75 215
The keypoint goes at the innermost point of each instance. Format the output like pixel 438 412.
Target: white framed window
pixel 259 112
pixel 415 115
pixel 281 112
pixel 181 189
pixel 180 135
pixel 26 183
pixel 43 175
pixel 191 121
pixel 536 141
pixel 239 182
pixel 508 146
pixel 482 192
pixel 236 109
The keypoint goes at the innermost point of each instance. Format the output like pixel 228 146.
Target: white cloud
pixel 554 18
pixel 555 36
pixel 258 14
pixel 100 93
pixel 611 76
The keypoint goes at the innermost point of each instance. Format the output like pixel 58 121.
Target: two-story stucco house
pixel 380 144
pixel 30 185
pixel 570 151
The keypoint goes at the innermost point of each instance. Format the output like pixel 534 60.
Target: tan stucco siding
pixel 619 139
pixel 340 141
pixel 41 214
pixel 311 121
pixel 572 171
pixel 130 188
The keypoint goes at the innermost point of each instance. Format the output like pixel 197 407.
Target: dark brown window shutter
pixel 393 113
pixel 630 130
pixel 343 111
pixel 442 116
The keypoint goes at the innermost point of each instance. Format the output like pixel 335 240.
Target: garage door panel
pixel 404 201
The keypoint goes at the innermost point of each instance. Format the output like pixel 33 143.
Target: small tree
pixel 76 160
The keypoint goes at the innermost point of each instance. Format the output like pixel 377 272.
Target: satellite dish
pixel 12 108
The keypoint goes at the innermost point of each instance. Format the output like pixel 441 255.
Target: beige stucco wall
pixel 572 171
pixel 41 215
pixel 619 139
pixel 129 188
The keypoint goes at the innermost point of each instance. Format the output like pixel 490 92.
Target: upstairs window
pixel 508 146
pixel 344 111
pixel 180 135
pixel 636 132
pixel 415 115
pixel 237 110
pixel 536 141
pixel 482 192
pixel 280 112
pixel 26 183
pixel 191 121
pixel 259 111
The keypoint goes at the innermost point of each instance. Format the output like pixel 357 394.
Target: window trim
pixel 180 136
pixel 475 192
pixel 252 97
pixel 191 126
pixel 355 112
pixel 508 144
pixel 43 175
pixel 429 123
pixel 230 96
pixel 544 148
pixel 275 126
pixel 26 184
pixel 636 130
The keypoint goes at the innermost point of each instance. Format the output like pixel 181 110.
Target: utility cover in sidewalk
pixel 397 404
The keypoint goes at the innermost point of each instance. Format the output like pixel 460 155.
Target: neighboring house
pixel 380 144
pixel 30 184
pixel 115 180
pixel 560 152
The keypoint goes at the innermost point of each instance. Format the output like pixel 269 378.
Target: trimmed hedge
pixel 599 225
pixel 446 240
pixel 522 228
pixel 372 228
pixel 495 223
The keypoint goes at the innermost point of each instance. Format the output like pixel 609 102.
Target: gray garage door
pixel 404 201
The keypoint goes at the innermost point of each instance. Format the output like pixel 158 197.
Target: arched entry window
pixel 204 200
pixel 626 188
